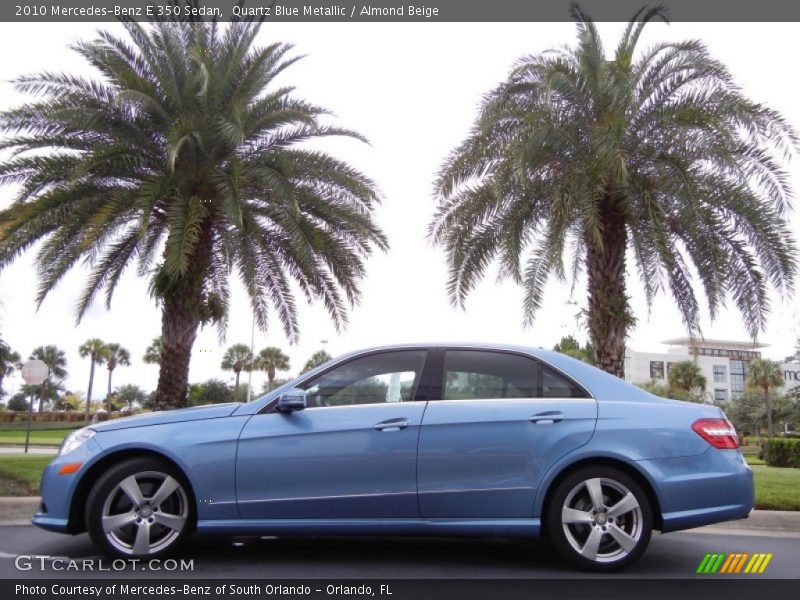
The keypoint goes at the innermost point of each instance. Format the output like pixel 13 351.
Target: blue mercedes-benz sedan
pixel 417 439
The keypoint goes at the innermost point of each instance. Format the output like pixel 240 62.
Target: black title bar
pixel 334 11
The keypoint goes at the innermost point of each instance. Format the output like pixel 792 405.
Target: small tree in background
pixel 9 361
pixel 213 391
pixel 271 360
pixel 56 360
pixel 687 376
pixel 94 349
pixel 130 395
pixel 748 413
pixel 319 357
pixel 571 347
pixel 765 375
pixel 268 386
pixel 237 358
pixel 152 355
pixel 69 401
pixel 116 356
pixel 18 402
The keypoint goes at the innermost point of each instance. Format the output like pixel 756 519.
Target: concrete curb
pixel 17 508
pixel 16 511
pixel 777 523
pixel 33 449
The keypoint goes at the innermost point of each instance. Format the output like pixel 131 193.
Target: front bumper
pixel 57 490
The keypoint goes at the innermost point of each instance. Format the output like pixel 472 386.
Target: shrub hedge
pixel 73 416
pixel 782 452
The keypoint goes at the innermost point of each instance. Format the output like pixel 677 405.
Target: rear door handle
pixel 546 418
pixel 392 425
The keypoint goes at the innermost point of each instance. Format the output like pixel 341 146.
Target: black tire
pixel 167 521
pixel 601 536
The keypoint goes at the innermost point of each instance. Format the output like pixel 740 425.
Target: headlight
pixel 75 440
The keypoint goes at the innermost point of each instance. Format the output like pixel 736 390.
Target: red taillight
pixel 720 433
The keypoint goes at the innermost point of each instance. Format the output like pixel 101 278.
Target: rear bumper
pixel 711 487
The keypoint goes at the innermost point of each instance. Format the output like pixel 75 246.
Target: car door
pixel 500 420
pixel 350 454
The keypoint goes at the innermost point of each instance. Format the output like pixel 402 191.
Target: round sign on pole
pixel 35 372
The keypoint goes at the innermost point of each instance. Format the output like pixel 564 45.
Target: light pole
pixel 252 357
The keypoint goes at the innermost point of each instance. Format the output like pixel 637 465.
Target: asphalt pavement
pixel 674 555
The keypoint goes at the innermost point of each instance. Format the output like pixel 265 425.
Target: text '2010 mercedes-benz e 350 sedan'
pixel 462 440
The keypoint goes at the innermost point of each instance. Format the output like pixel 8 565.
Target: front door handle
pixel 392 425
pixel 546 418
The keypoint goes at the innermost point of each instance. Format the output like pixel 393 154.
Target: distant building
pixel 724 363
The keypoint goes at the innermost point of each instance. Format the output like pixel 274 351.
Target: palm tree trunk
pixel 178 330
pixel 237 381
pixel 89 392
pixel 608 303
pixel 108 395
pixel 180 320
pixel 271 375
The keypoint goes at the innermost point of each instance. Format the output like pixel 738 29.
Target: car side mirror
pixel 291 400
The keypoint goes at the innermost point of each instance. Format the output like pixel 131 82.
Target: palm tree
pixel 586 156
pixel 56 361
pixel 318 358
pixel 271 360
pixel 765 375
pixel 152 355
pixel 237 358
pixel 9 360
pixel 185 146
pixel 94 349
pixel 686 376
pixel 116 356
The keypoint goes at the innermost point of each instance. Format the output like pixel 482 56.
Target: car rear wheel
pixel 140 507
pixel 599 519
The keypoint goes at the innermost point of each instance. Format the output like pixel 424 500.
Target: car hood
pixel 195 413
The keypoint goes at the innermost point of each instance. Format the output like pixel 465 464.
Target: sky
pixel 413 89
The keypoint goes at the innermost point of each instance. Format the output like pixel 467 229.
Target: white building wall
pixel 637 369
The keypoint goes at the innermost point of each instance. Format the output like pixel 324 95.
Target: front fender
pixel 204 450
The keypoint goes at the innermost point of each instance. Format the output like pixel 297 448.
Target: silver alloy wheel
pixel 602 520
pixel 145 513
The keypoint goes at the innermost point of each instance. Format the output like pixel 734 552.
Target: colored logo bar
pixel 737 562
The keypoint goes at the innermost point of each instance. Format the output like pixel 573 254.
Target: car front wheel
pixel 599 519
pixel 140 507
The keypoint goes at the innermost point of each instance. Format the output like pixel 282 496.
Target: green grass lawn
pixel 41 437
pixel 777 488
pixel 20 473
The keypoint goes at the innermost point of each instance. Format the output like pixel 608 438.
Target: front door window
pixel 386 377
